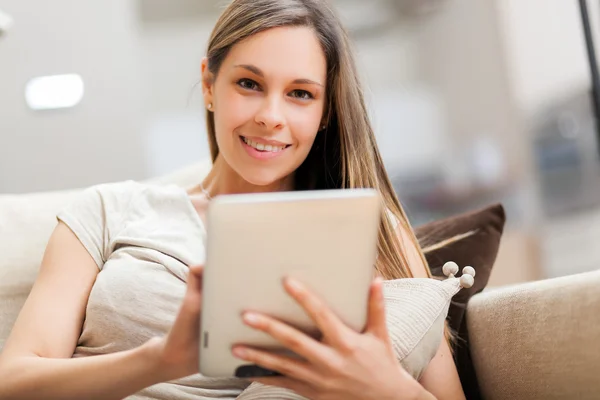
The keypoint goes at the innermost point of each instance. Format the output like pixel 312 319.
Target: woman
pixel 285 111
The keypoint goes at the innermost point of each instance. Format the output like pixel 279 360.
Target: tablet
pixel 327 239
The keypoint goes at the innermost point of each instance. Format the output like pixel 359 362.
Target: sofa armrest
pixel 538 340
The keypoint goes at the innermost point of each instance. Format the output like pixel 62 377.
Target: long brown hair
pixel 345 153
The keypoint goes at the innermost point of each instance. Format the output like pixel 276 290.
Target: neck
pixel 222 179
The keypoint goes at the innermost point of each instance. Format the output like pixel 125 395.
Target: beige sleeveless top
pixel 143 238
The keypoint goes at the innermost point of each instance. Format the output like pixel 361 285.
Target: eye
pixel 301 94
pixel 248 84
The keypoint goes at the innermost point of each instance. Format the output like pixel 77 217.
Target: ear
pixel 323 123
pixel 324 118
pixel 207 82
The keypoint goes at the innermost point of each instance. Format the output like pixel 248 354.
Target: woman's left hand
pixel 345 364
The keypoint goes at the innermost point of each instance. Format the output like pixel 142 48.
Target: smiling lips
pixel 260 146
pixel 262 149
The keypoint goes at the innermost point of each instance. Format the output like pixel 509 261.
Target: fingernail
pixel 251 318
pixel 293 284
pixel 239 352
pixel 197 268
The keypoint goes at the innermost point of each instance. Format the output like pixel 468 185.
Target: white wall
pixel 134 121
pixel 100 139
pixel 545 49
pixel 460 56
pixel 171 53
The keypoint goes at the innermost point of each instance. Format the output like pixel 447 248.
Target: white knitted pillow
pixel 416 309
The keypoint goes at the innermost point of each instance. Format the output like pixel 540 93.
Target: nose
pixel 270 115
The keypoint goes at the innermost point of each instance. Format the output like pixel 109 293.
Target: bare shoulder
pixel 417 267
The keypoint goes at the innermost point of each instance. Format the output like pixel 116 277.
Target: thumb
pixel 193 295
pixel 376 322
pixel 194 279
pixel 196 270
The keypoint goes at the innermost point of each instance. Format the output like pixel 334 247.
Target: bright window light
pixel 52 92
pixel 6 22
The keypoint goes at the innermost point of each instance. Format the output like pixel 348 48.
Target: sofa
pixel 536 340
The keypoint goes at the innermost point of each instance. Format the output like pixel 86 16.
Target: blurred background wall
pixel 473 102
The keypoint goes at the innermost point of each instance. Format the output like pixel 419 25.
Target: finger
pixel 299 387
pixel 376 320
pixel 290 367
pixel 186 327
pixel 291 338
pixel 192 301
pixel 333 329
pixel 194 278
pixel 196 271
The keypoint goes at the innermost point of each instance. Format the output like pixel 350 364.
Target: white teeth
pixel 263 147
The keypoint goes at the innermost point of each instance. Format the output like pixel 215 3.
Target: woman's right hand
pixel 178 352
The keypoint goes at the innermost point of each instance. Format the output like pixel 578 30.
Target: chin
pixel 260 179
pixel 262 176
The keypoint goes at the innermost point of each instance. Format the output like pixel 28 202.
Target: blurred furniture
pixel 565 150
pixel 568 171
pixel 538 340
pixel 527 341
pixel 519 259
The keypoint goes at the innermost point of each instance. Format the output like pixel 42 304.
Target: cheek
pixel 304 127
pixel 306 139
pixel 233 110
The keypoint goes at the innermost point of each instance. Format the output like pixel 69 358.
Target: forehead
pixel 285 52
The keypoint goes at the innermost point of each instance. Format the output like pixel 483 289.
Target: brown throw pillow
pixel 472 239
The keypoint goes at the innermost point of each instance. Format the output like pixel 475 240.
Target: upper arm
pixel 440 378
pixel 51 319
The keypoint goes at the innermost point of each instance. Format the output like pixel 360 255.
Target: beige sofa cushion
pixel 26 222
pixel 538 340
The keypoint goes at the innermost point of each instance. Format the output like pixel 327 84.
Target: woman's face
pixel 268 100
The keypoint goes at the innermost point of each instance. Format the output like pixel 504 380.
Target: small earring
pixel 323 127
pixel 209 106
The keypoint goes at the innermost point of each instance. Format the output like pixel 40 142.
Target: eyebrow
pixel 255 70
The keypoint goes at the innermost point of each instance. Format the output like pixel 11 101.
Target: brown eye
pixel 247 84
pixel 301 94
